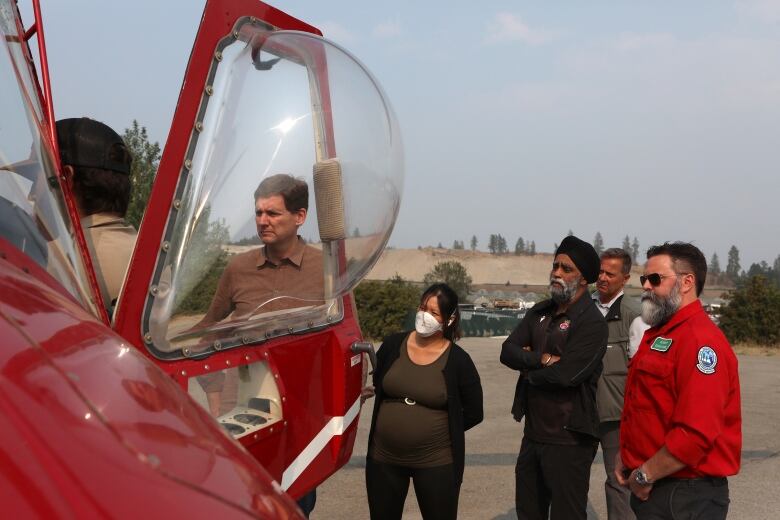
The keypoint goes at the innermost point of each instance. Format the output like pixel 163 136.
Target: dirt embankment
pixel 484 268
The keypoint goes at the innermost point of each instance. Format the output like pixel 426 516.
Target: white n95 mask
pixel 425 324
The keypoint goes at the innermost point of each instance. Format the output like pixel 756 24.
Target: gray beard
pixel 563 295
pixel 657 310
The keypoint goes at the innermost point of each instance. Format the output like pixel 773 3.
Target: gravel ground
pixel 491 450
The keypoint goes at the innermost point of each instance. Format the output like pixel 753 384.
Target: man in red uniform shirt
pixel 681 429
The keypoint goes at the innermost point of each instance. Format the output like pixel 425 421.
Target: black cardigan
pixel 464 394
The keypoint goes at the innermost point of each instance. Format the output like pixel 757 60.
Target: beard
pixel 563 293
pixel 657 310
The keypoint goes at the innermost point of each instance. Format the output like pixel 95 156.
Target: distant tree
pixel 501 245
pixel 457 245
pixel 714 267
pixel 440 246
pixel 356 232
pixel 776 271
pixel 452 273
pixel 733 267
pixel 532 248
pixel 383 305
pixel 473 242
pixel 520 246
pixel 146 159
pixel 493 244
pixel 555 247
pixel 762 269
pixel 753 313
pixel 598 243
pixel 626 244
pixel 635 250
pixel 570 233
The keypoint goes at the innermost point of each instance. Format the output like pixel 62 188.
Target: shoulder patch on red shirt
pixel 708 360
pixel 661 344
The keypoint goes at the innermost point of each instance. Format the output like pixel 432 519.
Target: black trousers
pixel 436 488
pixel 693 499
pixel 552 481
pixel 307 502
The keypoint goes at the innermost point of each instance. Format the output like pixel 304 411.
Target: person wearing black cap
pixel 558 347
pixel 96 159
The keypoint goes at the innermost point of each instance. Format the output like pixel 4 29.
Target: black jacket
pixel 579 366
pixel 464 394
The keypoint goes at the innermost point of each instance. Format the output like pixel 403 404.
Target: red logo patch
pixel 564 325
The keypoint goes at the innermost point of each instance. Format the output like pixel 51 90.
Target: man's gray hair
pixel 622 254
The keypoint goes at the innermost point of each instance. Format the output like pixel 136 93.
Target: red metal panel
pixel 89 407
pixel 316 379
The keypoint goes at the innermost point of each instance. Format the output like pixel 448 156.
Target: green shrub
pixel 383 305
pixel 454 274
pixel 752 313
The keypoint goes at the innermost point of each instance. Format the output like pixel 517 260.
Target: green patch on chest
pixel 661 344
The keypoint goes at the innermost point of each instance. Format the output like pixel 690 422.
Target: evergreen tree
pixel 776 272
pixel 714 267
pixel 520 246
pixel 146 159
pixel 598 243
pixel 733 267
pixel 635 250
pixel 627 245
pixel 493 244
pixel 356 232
pixel 501 245
pixel 473 242
pixel 532 249
pixel 570 233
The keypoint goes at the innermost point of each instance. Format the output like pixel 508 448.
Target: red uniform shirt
pixel 683 392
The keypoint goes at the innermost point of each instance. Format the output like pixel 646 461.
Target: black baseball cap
pixel 87 143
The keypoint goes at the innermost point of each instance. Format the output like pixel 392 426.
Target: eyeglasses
pixel 656 278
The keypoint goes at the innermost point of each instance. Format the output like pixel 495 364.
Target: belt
pixel 406 400
pixel 712 481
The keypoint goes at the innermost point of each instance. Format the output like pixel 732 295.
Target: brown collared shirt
pixel 252 284
pixel 111 241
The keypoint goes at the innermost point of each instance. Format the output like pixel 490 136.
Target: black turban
pixel 583 255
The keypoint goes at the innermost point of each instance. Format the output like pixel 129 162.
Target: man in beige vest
pixel 98 162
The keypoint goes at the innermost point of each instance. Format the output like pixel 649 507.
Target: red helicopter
pixel 112 415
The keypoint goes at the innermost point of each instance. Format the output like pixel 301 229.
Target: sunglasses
pixel 655 279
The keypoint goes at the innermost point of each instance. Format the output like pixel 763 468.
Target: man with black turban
pixel 557 348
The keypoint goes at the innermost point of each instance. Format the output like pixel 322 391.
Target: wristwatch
pixel 641 478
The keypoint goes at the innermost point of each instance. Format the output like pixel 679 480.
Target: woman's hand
pixel 366 392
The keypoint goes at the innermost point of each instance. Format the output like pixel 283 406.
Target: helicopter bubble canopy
pixel 289 193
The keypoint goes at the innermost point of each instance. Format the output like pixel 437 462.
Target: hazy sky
pixel 659 120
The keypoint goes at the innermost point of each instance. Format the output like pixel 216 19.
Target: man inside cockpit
pixel 98 162
pixel 283 274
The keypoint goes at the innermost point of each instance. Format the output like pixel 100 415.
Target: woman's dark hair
pixel 448 305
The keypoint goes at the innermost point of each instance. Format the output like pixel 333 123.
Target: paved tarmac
pixel 491 451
